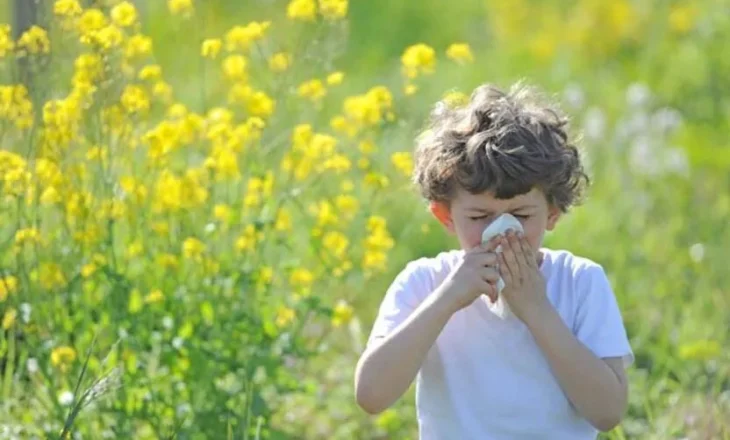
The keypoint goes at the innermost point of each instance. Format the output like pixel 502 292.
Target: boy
pixel 555 369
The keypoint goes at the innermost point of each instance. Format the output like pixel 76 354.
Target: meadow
pixel 203 202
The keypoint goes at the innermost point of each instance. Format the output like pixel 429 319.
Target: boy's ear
pixel 442 213
pixel 554 214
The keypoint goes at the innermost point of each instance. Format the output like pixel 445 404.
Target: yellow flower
pixel 124 14
pixel 88 269
pixel 180 7
pixel 403 161
pixel 410 89
pixel 67 8
pixel 279 62
pixel 35 40
pixel 162 91
pixel 249 238
pixel 335 78
pixel 222 213
pixel 134 99
pixel 150 72
pixel 336 243
pixel 154 296
pixel 211 47
pixel 333 9
pixel 134 249
pixel 8 285
pixel 9 318
pixel 312 89
pixel 27 235
pixel 305 10
pixel 138 46
pixel 6 40
pixel 167 261
pixel 234 67
pixel 193 248
pixel 241 37
pixel 342 313
pixel 284 316
pixel 302 279
pixel 700 350
pixel 283 221
pixel 62 357
pixel 456 99
pixel 51 276
pixel 460 52
pixel 682 18
pixel 418 59
pixel 91 21
pixel 260 104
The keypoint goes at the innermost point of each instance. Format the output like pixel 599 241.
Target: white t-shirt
pixel 485 378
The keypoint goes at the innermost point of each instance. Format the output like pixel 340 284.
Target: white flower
pixel 574 96
pixel 32 365
pixel 66 398
pixel 638 95
pixel 168 322
pixel 594 124
pixel 697 252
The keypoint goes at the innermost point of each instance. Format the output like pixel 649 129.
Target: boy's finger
pixel 528 253
pixel 507 264
pixel 516 241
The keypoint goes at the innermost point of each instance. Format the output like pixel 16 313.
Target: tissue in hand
pixel 499 226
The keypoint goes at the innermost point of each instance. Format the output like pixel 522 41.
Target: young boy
pixel 555 368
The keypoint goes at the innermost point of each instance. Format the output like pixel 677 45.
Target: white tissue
pixel 499 226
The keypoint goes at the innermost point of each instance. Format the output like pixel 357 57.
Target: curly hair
pixel 506 143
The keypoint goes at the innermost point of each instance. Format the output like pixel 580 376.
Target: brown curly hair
pixel 506 143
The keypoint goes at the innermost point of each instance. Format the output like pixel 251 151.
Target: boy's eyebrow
pixel 489 211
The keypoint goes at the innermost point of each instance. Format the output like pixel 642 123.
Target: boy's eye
pixel 481 217
pixel 521 216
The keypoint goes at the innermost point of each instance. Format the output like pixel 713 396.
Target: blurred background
pixel 203 202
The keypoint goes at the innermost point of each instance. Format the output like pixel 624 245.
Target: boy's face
pixel 468 215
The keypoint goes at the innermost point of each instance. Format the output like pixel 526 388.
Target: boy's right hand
pixel 476 275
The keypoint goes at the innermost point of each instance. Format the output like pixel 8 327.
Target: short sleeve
pixel 402 297
pixel 599 324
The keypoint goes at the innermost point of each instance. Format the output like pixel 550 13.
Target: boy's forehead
pixel 487 201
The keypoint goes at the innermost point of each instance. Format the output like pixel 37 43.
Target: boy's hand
pixel 475 275
pixel 524 288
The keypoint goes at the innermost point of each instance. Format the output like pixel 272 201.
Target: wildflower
pixel 279 62
pixel 234 67
pixel 211 47
pixel 403 161
pixel 8 285
pixel 67 8
pixel 335 78
pixel 312 89
pixel 700 350
pixel 6 40
pixel 124 14
pixel 241 37
pixel 284 316
pixel 35 40
pixel 342 313
pixel 62 357
pixel 9 317
pixel 305 10
pixel 460 52
pixel 193 248
pixel 418 59
pixel 333 9
pixel 180 7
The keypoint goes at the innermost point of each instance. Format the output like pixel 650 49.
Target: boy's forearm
pixel 387 369
pixel 590 384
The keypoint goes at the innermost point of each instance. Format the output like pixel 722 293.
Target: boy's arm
pixel 387 368
pixel 596 387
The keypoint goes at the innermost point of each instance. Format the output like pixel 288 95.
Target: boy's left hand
pixel 524 288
